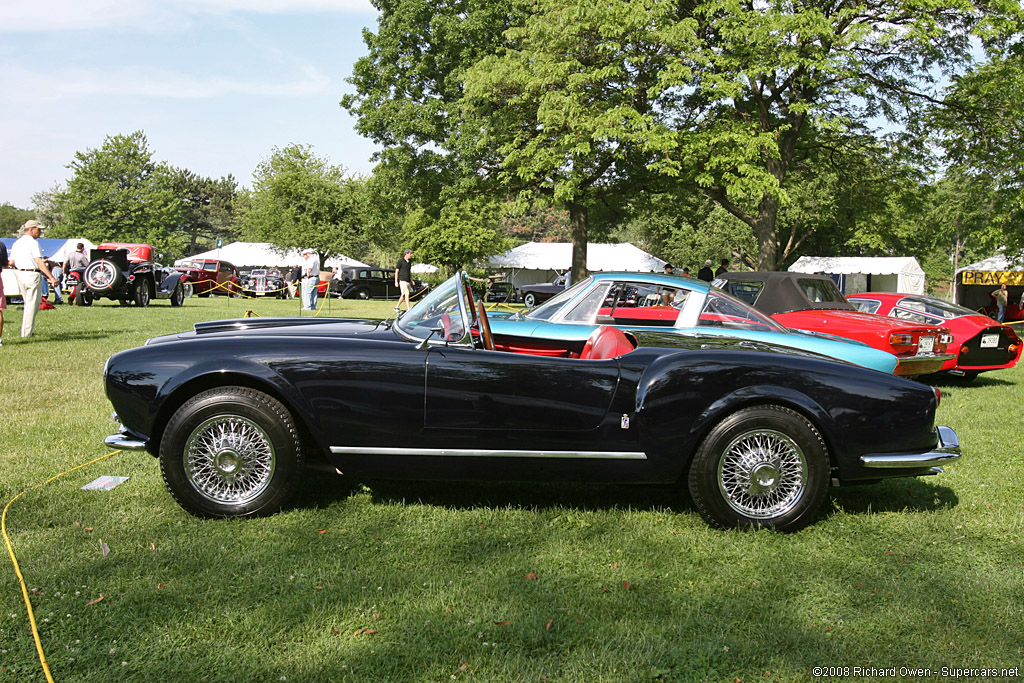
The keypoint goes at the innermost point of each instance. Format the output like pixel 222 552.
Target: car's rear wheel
pixel 140 293
pixel 103 276
pixel 231 452
pixel 363 293
pixel 764 466
pixel 530 299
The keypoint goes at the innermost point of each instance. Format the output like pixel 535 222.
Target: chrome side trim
pixel 946 449
pixel 481 453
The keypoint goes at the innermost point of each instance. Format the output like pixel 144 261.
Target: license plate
pixel 989 341
pixel 926 344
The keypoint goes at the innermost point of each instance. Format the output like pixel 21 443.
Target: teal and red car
pixel 979 343
pixel 654 302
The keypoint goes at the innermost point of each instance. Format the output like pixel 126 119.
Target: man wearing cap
pixel 310 278
pixel 27 260
pixel 705 273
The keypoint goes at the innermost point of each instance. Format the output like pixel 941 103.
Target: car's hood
pixel 280 327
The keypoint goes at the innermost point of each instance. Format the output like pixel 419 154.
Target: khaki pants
pixel 31 286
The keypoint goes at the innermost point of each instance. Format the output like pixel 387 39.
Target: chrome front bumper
pixel 124 440
pixel 947 449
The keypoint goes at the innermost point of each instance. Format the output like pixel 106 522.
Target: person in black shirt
pixel 723 268
pixel 403 279
pixel 705 273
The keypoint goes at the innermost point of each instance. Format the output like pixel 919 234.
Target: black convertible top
pixel 774 292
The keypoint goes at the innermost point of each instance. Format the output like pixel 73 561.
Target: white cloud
pixel 68 15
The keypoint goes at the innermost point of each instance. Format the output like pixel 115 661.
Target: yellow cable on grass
pixel 17 567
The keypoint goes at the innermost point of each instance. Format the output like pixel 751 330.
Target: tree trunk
pixel 767 236
pixel 578 225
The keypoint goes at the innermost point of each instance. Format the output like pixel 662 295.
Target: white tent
pixel 254 254
pixel 540 261
pixel 867 274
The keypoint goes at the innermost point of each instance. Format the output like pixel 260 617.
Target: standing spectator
pixel 403 279
pixel 723 267
pixel 3 298
pixel 76 263
pixel 310 278
pixel 58 275
pixel 289 282
pixel 296 282
pixel 686 271
pixel 705 273
pixel 1002 298
pixel 669 270
pixel 28 261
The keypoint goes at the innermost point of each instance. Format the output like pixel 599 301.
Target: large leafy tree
pixel 119 193
pixel 981 125
pixel 208 209
pixel 724 94
pixel 300 200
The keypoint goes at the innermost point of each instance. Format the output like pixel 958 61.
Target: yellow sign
pixel 992 277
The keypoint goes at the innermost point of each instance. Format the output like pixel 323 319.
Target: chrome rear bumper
pixel 947 449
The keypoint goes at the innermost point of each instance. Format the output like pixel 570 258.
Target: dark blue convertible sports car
pixel 236 409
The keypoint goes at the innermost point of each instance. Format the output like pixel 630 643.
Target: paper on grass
pixel 104 483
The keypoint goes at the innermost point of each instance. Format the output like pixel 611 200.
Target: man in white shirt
pixel 27 260
pixel 310 278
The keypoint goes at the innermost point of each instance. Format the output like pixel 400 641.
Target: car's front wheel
pixel 178 295
pixel 763 466
pixel 231 452
pixel 140 293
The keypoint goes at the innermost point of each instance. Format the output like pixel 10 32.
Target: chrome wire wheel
pixel 229 459
pixel 762 473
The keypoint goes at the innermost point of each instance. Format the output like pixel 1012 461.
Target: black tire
pixel 83 297
pixel 363 293
pixel 141 293
pixel 246 455
pixel 103 276
pixel 761 467
pixel 530 299
pixel 178 295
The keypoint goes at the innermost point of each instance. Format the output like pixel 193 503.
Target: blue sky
pixel 215 85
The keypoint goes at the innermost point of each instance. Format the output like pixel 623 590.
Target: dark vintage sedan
pixel 236 409
pixel 371 283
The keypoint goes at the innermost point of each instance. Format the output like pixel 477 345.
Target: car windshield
pixel 936 308
pixel 550 308
pixel 444 314
pixel 722 310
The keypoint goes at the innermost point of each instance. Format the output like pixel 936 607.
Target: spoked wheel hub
pixel 229 459
pixel 762 473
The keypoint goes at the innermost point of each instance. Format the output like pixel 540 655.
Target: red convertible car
pixel 803 301
pixel 979 343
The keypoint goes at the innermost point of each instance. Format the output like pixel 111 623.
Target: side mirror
pixel 423 345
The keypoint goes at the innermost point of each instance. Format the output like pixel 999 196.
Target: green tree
pixel 119 193
pixel 465 231
pixel 723 94
pixel 208 209
pixel 980 125
pixel 300 200
pixel 12 218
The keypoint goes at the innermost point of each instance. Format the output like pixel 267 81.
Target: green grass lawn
pixel 480 582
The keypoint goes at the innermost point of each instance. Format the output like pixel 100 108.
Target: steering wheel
pixel 485 326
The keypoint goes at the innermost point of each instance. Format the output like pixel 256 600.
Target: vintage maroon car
pixel 979 343
pixel 210 276
pixel 803 301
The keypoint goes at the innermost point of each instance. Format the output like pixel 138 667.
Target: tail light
pixel 901 340
pixel 938 396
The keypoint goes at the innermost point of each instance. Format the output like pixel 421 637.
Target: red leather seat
pixel 606 342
